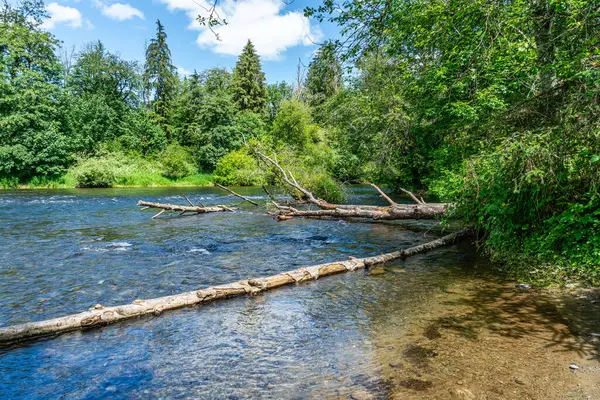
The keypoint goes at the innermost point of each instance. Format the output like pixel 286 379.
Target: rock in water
pixel 376 271
pixel 524 286
pixel 362 395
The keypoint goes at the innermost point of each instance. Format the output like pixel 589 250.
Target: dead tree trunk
pixel 393 211
pixel 405 211
pixel 183 209
pixel 236 194
pixel 192 208
pixel 100 315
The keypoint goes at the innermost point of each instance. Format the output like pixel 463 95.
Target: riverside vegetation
pixel 492 106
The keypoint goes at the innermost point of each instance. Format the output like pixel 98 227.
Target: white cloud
pixel 184 72
pixel 263 21
pixel 62 15
pixel 119 11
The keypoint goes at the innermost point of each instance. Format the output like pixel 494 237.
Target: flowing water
pixel 63 251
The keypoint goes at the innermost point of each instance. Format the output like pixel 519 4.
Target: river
pixel 395 332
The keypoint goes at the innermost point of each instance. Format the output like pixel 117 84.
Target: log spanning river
pixel 437 325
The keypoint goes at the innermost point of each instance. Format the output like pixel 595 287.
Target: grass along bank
pixel 120 170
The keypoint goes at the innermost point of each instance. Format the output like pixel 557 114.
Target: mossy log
pixel 100 315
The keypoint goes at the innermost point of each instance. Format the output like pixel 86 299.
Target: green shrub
pixel 310 169
pixel 176 162
pixel 95 173
pixel 293 125
pixel 9 183
pixel 325 187
pixel 536 200
pixel 238 168
pixel 447 185
pixel 140 134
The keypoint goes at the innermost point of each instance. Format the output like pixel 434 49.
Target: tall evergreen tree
pixel 249 87
pixel 324 78
pixel 159 73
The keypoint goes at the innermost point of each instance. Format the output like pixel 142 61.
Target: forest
pixel 491 106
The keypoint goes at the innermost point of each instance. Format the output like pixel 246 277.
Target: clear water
pixel 64 251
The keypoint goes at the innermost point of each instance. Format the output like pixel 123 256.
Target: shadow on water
pixel 507 311
pixel 482 337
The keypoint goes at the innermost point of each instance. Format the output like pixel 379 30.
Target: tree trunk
pixel 100 315
pixel 183 209
pixel 420 210
pixel 398 211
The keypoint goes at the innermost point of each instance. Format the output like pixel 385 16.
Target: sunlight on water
pixel 65 252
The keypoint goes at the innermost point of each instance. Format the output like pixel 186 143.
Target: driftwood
pixel 236 194
pixel 405 211
pixel 182 209
pixel 393 211
pixel 100 315
pixel 192 208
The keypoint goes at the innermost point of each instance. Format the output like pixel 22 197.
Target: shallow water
pixel 64 251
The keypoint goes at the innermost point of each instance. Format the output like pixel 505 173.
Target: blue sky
pixel 280 32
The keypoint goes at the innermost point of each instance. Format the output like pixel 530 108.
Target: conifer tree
pixel 248 85
pixel 159 73
pixel 324 76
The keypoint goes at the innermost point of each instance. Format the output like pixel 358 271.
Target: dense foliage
pixel 493 106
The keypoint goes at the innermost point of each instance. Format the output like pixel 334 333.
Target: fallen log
pixel 100 315
pixel 183 209
pixel 236 194
pixel 403 211
pixel 393 211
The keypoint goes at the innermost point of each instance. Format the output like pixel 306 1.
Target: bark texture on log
pixel 100 315
pixel 180 208
pixel 399 211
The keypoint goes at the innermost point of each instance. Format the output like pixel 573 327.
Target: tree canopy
pixel 493 106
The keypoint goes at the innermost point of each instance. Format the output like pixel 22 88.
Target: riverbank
pixel 485 338
pixel 133 180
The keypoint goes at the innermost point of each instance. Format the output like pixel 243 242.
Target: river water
pixel 63 251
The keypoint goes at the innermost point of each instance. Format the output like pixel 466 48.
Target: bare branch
pixel 291 180
pixel 269 193
pixel 188 200
pixel 235 194
pixel 157 215
pixel 412 196
pixel 383 195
